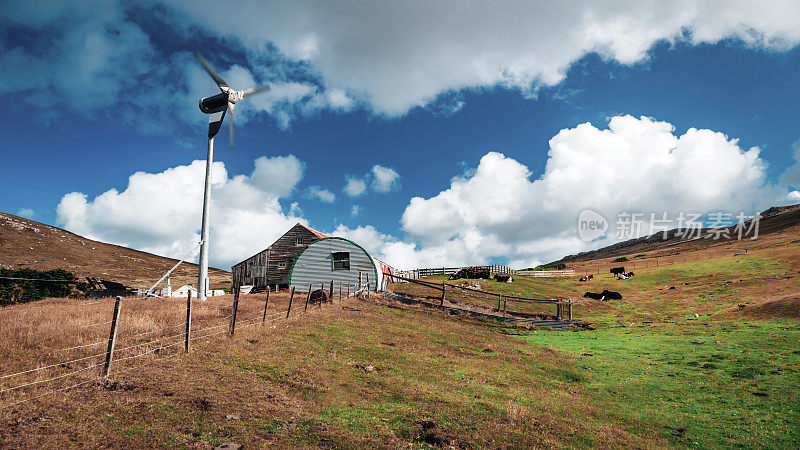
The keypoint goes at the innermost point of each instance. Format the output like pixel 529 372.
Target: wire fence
pixel 26 385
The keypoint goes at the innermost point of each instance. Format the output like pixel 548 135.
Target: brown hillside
pixel 28 244
pixel 778 225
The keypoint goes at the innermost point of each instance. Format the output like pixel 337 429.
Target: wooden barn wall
pixel 283 250
pixel 314 266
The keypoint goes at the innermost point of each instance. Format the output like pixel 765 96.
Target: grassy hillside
pixel 28 244
pixel 371 372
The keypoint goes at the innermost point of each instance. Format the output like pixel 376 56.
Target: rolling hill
pixel 28 244
pixel 778 225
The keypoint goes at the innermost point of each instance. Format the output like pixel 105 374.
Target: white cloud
pixel 636 165
pixel 25 212
pixel 323 195
pixel 386 57
pixel 394 56
pixel 379 179
pixel 384 179
pixel 355 210
pixel 160 212
pixel 791 177
pixel 354 187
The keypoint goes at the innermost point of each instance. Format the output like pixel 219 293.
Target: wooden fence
pixel 546 273
pixel 417 273
pixel 438 293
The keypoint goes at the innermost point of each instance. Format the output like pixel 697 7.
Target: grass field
pixel 643 372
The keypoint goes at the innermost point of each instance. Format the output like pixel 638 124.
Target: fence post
pixel 367 275
pixel 308 296
pixel 570 309
pixel 656 261
pixel 188 321
pixel 340 291
pixel 499 299
pixel 266 303
pixel 441 303
pixel 331 291
pixel 291 298
pixel 233 311
pixel 348 289
pixel 504 306
pixel 112 338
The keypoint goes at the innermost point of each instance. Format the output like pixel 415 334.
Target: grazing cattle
pixel 605 296
pixel 587 278
pixel 617 270
pixel 625 276
pixel 502 278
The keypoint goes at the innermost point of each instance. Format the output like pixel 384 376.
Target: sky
pixel 432 133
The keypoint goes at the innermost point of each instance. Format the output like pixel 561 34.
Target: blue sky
pixel 462 132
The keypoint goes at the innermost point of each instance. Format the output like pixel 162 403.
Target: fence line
pixel 563 308
pixel 51 365
pixel 242 323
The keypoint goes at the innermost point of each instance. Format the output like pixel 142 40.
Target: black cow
pixel 605 296
pixel 617 270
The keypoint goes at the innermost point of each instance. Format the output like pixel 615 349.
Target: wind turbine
pixel 215 106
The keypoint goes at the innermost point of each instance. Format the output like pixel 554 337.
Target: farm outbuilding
pixel 333 259
pixel 304 256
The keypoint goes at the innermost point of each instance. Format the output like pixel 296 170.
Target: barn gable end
pixel 272 265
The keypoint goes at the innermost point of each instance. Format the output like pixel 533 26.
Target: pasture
pixel 643 371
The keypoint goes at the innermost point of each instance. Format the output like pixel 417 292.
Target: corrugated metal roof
pixel 318 234
pixel 314 266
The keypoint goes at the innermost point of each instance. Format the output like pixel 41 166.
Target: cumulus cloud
pixel 354 187
pixel 379 179
pixel 634 165
pixel 387 57
pixel 160 212
pixel 321 194
pixel 394 56
pixel 384 179
pixel 355 210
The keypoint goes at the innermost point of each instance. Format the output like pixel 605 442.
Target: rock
pixel 696 316
pixel 228 446
pixel 233 417
pixel 697 342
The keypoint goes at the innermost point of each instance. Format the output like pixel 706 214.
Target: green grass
pixel 741 387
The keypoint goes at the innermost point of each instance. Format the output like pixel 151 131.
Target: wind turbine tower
pixel 215 106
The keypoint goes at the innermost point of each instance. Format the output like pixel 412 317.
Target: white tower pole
pixel 202 278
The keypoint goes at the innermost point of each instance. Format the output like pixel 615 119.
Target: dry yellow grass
pixel 55 343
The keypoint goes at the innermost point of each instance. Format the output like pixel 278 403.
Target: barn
pixel 304 256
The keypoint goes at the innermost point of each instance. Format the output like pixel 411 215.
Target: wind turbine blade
pixel 256 90
pixel 230 129
pixel 223 86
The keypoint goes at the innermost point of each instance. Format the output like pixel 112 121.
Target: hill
pixel 696 354
pixel 29 244
pixel 777 225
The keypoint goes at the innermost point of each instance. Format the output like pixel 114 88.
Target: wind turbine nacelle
pixel 214 103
